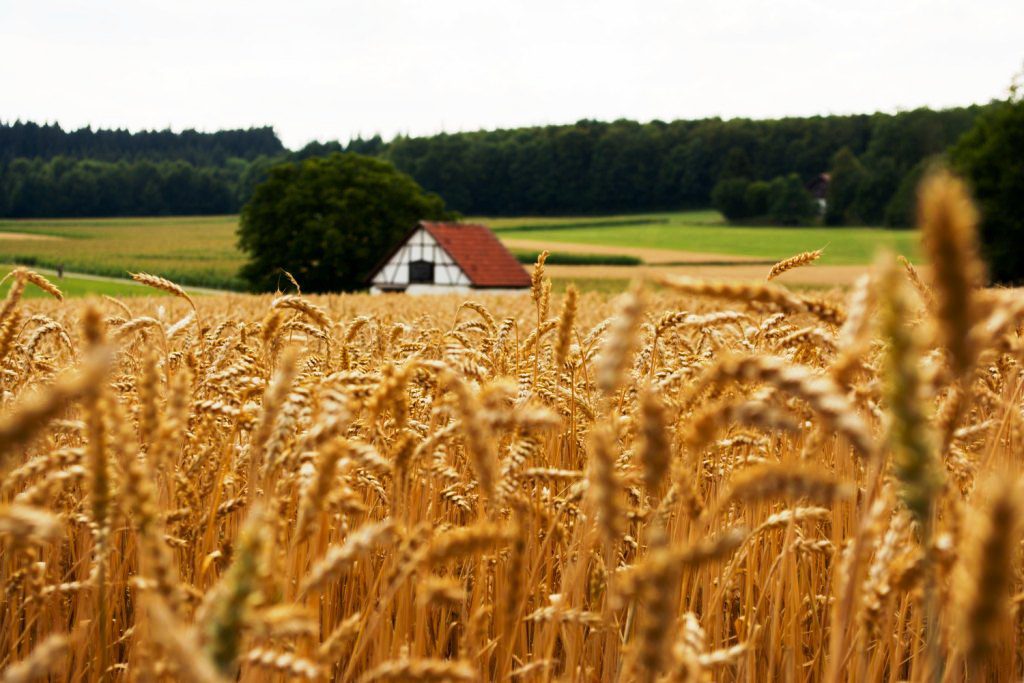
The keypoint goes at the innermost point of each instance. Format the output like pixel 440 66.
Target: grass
pixel 73 287
pixel 704 231
pixel 700 216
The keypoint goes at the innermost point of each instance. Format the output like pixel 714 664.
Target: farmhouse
pixel 448 257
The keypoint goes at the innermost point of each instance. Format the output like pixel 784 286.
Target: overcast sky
pixel 332 70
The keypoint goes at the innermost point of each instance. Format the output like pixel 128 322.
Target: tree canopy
pixel 990 157
pixel 329 220
pixel 783 201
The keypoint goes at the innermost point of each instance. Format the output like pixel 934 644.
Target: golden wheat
pixel 659 487
pixel 792 262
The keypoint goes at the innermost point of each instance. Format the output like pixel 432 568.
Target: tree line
pixel 46 171
pixel 33 141
pixel 589 167
pixel 69 187
pixel 623 166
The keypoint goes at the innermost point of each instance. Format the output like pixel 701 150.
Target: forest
pixel 586 168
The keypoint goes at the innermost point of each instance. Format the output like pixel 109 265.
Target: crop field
pixel 192 250
pixel 704 481
pixel 201 250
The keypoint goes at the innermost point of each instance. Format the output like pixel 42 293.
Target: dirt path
pixel 27 236
pixel 650 256
pixel 813 275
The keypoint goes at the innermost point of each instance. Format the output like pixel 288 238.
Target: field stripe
pixel 819 276
pixel 648 255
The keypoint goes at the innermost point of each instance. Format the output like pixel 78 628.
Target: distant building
pixel 448 257
pixel 818 187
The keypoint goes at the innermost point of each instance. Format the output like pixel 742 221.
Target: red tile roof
pixel 480 254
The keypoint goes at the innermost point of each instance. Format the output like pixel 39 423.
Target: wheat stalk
pixel 801 259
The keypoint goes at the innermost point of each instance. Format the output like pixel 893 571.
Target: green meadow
pixel 706 231
pixel 80 286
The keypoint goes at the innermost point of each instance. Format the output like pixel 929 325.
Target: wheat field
pixel 699 481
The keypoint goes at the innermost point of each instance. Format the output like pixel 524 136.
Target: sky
pixel 319 70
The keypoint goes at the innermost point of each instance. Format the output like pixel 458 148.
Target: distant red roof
pixel 480 254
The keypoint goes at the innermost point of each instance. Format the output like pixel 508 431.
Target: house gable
pixel 420 246
pixel 480 254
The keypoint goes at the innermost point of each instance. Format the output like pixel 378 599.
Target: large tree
pixel 328 220
pixel 990 157
pixel 789 203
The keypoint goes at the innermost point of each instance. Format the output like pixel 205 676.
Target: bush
pixel 562 258
pixel 329 220
pixel 783 201
pixel 990 157
pixel 729 197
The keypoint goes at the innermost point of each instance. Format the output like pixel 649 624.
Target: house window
pixel 421 272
